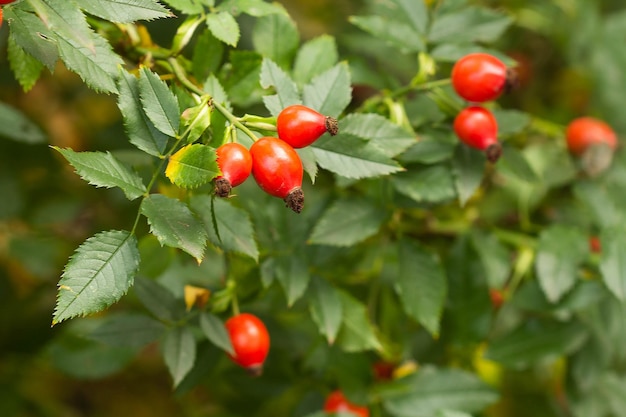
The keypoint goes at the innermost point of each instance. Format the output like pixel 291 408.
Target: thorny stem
pixel 180 74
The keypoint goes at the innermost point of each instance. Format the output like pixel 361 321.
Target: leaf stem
pixel 385 95
pixel 180 74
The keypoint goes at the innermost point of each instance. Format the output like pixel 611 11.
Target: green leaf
pixel 16 126
pixel 103 170
pixel 330 92
pixel 315 57
pixel 415 13
pixel 421 285
pixel 292 273
pixel 276 37
pixel 511 121
pixel 470 24
pixel 140 130
pixel 179 352
pixel 286 91
pixel 256 8
pixel 534 341
pixel 208 53
pixel 174 224
pixel 127 330
pixel 390 138
pixel 326 308
pixel 612 263
pixel 468 168
pixel 430 391
pixel 514 163
pixel 98 68
pixel 197 120
pixel 431 184
pixel 159 103
pixel 159 300
pixel 228 227
pixel 243 84
pixel 84 359
pixel 347 222
pixel 30 33
pixel 214 329
pixel 192 166
pixel 494 257
pixel 560 251
pixel 352 157
pixel 433 147
pixel 189 6
pixel 125 11
pixel 25 67
pixel 356 333
pixel 395 32
pixel 97 275
pixel 224 27
pixel 83 51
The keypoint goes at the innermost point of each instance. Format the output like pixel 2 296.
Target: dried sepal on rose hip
pixel 278 170
pixel 250 340
pixel 477 127
pixel 300 126
pixel 235 164
pixel 480 77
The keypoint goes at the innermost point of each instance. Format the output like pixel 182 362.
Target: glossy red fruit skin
pixel 477 127
pixel 479 77
pixel 235 163
pixel 250 340
pixel 336 402
pixel 587 131
pixel 7 1
pixel 300 126
pixel 278 170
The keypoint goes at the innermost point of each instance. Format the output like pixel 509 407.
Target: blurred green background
pixel 572 55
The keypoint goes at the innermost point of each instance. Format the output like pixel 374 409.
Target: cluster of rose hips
pixel 478 78
pixel 273 162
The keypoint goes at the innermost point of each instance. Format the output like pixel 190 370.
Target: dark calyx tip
pixel 222 187
pixel 493 152
pixel 332 125
pixel 255 370
pixel 512 81
pixel 295 200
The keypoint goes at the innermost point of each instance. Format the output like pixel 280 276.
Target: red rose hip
pixel 300 126
pixel 235 163
pixel 477 127
pixel 336 402
pixel 584 132
pixel 250 340
pixel 480 77
pixel 278 170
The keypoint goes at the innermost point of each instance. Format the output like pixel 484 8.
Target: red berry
pixel 278 170
pixel 7 1
pixel 336 402
pixel 477 127
pixel 594 244
pixel 250 340
pixel 235 163
pixel 497 298
pixel 584 132
pixel 479 77
pixel 300 126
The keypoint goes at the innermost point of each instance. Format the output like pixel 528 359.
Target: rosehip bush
pixel 465 232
